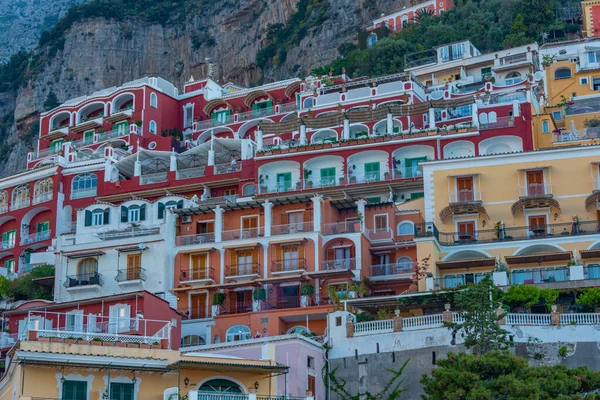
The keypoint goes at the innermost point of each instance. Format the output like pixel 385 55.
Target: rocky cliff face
pixel 102 53
pixel 21 22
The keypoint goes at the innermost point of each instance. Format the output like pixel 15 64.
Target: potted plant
pixel 309 184
pixel 43 339
pixel 218 300
pixel 55 340
pixel 144 346
pixel 133 345
pixel 258 295
pixel 592 127
pixel 155 345
pixel 341 179
pixel 306 290
pixel 121 344
pixel 70 340
pixel 108 343
pixel 96 341
pixel 386 175
pixel 352 179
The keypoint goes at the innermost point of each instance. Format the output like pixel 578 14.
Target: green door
pixel 327 177
pixel 372 172
pixel 411 167
pixel 121 129
pixel 56 146
pixel 220 117
pixel 10 265
pixel 74 390
pixel 284 182
pixel 121 391
pixel 9 239
pixel 42 230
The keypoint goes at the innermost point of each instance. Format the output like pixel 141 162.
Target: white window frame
pixel 186 123
pixel 97 217
pixel 387 222
pixel 229 337
pixel 151 126
pixel 153 100
pixel 584 80
pixel 467 218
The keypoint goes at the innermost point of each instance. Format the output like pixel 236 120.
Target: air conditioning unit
pixel 186 219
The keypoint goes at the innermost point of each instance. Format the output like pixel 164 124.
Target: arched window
pixel 153 100
pixel 153 127
pixel 483 118
pixel 404 263
pixel 192 340
pixel 492 117
pixel 406 228
pixel 308 103
pixel 220 386
pixel 249 190
pixel 237 332
pixel 42 191
pixel 372 39
pixel 133 213
pixel 3 201
pixel 87 268
pixel 513 77
pixel 545 127
pixel 97 217
pixel 84 185
pixel 20 197
pixel 562 73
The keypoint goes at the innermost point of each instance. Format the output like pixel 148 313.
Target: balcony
pixel 56 132
pixel 128 233
pixel 380 235
pixel 245 270
pixel 88 328
pixel 454 281
pixel 83 281
pixel 575 135
pixel 35 237
pixel 83 193
pixel 535 190
pixel 465 196
pixel 87 123
pixel 3 208
pixel 539 275
pixel 248 233
pixel 120 115
pixel 150 179
pixel 290 265
pixel 339 228
pixel 42 198
pixel 339 265
pixel 504 234
pixel 130 275
pixel 512 61
pixel 500 122
pixel 19 204
pixel 194 312
pixel 198 275
pixel 289 229
pixel 195 239
pixel 403 270
pixel 228 168
pixel 276 109
pixel 191 173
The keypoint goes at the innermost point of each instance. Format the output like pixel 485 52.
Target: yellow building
pixel 528 217
pixel 42 370
pixel 568 110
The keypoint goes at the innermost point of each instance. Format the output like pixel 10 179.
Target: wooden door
pixel 312 385
pixel 537 225
pixel 198 265
pixel 249 227
pixel 535 183
pixel 466 231
pixel 464 189
pixel 198 306
pixel 381 223
pixel 134 265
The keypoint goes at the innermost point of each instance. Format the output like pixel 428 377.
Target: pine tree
pixel 51 101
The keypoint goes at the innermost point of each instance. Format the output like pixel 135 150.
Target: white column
pixel 268 206
pixel 137 169
pixel 346 133
pixel 173 161
pixel 475 115
pixel 303 135
pixel 218 223
pixel 360 204
pixel 516 108
pixel 251 396
pixel 432 118
pixel 390 124
pixel 211 157
pixel 259 139
pixel 107 170
pixel 317 219
pixel 246 149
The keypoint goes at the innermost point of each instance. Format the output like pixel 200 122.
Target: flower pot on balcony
pixel 43 339
pixel 303 301
pixel 70 341
pixel 32 336
pixel 108 344
pixel 144 346
pixel 97 342
pixel 120 344
pixel 55 340
pixel 164 343
pixel 133 345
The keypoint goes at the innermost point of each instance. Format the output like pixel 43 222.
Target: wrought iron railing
pixel 131 274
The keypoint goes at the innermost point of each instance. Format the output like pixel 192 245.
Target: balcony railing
pixel 338 228
pixel 87 328
pixel 42 198
pixel 501 122
pixel 131 274
pixel 84 192
pixel 9 244
pixel 503 234
pixel 390 270
pixel 380 234
pixel 243 269
pixel 195 239
pixel 535 190
pixel 20 203
pixel 194 312
pixel 35 237
pixel 153 178
pixel 248 233
pixel 289 265
pixel 465 196
pixel 227 168
pixel 196 274
pixel 191 173
pixel 539 275
pixel 83 280
pixel 339 264
pixel 282 302
pixel 287 229
pixel 128 233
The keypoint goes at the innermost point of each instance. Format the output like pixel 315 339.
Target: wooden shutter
pixel 124 212
pixel 161 210
pixel 255 256
pixel 330 254
pixel 307 216
pixel 284 219
pixel 88 218
pixel 143 212
pixel 106 216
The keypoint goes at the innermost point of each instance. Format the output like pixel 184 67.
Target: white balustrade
pixel 421 322
pixel 372 327
pixel 580 319
pixel 527 319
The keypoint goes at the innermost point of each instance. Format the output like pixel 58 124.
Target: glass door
pixel 284 182
pixel 372 172
pixel 42 230
pixel 327 177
